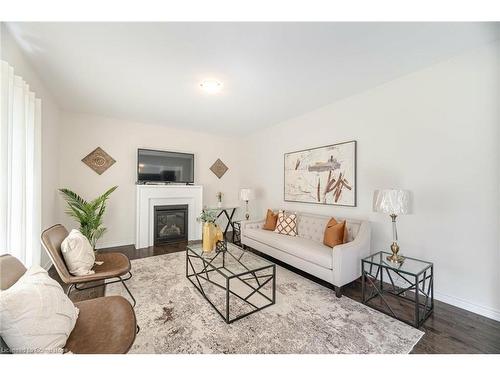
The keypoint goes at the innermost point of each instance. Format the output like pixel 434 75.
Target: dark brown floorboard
pixel 449 330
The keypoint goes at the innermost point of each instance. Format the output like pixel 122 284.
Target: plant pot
pixel 208 237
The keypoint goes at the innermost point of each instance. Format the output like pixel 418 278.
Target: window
pixel 20 168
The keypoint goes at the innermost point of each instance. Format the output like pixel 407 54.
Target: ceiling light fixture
pixel 211 86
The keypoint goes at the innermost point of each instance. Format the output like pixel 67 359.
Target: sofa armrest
pixel 347 257
pixel 251 224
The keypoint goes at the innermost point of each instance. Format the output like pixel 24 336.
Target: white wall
pixel 50 128
pixel 435 132
pixel 82 133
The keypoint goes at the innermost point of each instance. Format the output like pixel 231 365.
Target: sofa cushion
pixel 312 227
pixel 271 220
pixel 286 224
pixel 334 233
pixel 352 229
pixel 303 248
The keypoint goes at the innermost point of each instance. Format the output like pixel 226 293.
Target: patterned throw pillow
pixel 287 224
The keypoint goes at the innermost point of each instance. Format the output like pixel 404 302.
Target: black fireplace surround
pixel 170 224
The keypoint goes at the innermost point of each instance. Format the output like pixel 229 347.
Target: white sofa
pixel 338 265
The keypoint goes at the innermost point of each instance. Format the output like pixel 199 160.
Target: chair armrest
pixel 347 257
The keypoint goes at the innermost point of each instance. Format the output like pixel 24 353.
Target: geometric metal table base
pixel 380 278
pixel 234 282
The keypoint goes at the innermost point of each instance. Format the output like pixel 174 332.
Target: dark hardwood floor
pixel 449 330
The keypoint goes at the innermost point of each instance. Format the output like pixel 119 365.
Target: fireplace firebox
pixel 170 224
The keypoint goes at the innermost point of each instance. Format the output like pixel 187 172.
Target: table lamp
pixel 393 202
pixel 245 196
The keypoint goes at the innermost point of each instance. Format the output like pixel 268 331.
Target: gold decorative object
pixel 395 258
pixel 211 235
pixel 219 168
pixel 99 160
pixel 219 236
pixel 208 237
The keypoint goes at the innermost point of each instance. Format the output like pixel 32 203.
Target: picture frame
pixel 324 175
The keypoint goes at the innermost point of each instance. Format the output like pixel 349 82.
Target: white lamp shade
pixel 392 201
pixel 245 194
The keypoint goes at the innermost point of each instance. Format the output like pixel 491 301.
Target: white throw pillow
pixel 35 314
pixel 78 254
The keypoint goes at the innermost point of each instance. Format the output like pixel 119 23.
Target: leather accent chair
pixel 115 265
pixel 105 325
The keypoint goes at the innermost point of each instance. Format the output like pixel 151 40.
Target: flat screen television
pixel 164 166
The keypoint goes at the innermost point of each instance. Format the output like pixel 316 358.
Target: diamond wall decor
pixel 98 160
pixel 219 168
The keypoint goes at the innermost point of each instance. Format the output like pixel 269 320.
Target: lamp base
pixel 247 215
pixel 395 258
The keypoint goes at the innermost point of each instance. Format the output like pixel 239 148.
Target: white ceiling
pixel 150 72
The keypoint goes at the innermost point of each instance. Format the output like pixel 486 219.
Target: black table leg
pixel 229 220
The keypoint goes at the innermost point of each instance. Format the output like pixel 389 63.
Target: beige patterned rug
pixel 307 317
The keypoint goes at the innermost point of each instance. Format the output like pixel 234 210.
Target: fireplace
pixel 170 224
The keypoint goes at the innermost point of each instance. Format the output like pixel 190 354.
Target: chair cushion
pixel 78 253
pixel 114 264
pixel 303 248
pixel 106 325
pixel 35 314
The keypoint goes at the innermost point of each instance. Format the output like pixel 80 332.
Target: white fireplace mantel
pixel 149 196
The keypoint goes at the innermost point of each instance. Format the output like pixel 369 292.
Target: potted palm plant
pixel 88 214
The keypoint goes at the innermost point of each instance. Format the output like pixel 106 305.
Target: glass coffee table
pixel 390 284
pixel 234 281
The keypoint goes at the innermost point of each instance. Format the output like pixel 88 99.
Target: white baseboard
pixel 103 245
pixel 472 307
pixel 487 312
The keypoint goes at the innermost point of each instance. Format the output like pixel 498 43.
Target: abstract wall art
pixel 323 175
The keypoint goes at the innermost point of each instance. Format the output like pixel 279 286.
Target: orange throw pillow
pixel 271 220
pixel 334 233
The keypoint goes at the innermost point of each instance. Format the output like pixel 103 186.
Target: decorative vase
pixel 219 204
pixel 218 235
pixel 208 237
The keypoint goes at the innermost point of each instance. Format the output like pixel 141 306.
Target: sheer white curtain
pixel 20 168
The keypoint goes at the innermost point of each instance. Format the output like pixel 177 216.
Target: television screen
pixel 164 166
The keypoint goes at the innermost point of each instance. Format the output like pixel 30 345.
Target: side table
pixel 237 233
pixel 412 280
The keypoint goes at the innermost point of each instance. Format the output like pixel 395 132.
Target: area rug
pixel 307 317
